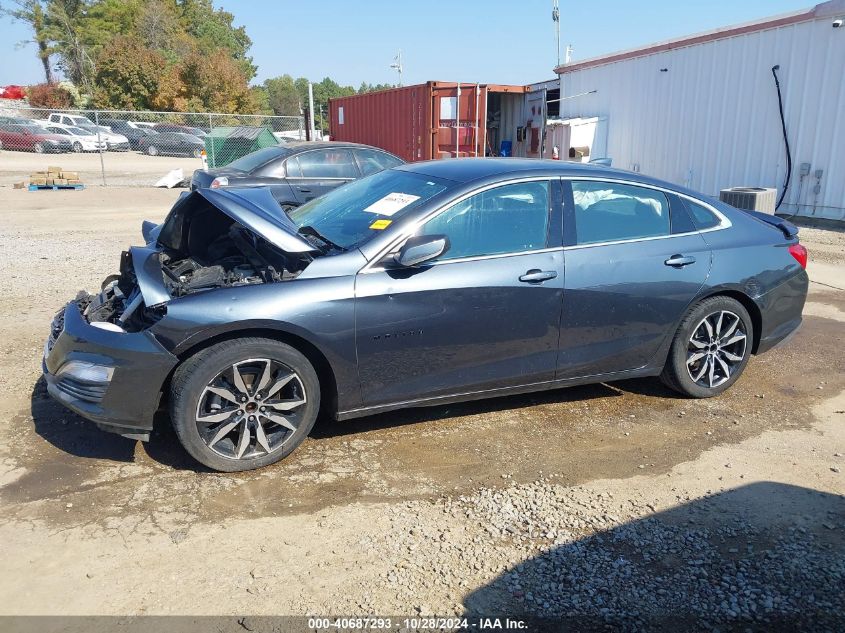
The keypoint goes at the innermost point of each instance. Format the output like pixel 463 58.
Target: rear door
pixel 318 171
pixel 485 315
pixel 634 262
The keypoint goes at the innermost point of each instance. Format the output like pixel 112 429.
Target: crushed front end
pixel 103 358
pixel 111 377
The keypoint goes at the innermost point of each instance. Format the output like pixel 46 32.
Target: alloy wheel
pixel 39 148
pixel 77 147
pixel 250 409
pixel 716 348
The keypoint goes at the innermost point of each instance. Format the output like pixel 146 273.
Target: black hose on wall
pixel 785 139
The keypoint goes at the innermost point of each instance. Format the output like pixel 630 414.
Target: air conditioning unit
pixel 760 199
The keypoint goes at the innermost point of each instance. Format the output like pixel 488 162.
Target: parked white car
pixel 82 139
pixel 114 141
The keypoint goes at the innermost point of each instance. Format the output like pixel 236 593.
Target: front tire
pixel 244 403
pixel 711 348
pixel 39 148
pixel 77 147
pixel 152 150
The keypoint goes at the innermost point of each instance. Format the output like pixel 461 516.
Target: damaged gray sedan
pixel 420 285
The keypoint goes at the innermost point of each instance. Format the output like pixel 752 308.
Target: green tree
pixel 129 75
pixel 213 30
pixel 283 96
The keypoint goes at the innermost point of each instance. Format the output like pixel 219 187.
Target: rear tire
pixel 711 348
pixel 197 153
pixel 39 148
pixel 77 147
pixel 152 150
pixel 229 411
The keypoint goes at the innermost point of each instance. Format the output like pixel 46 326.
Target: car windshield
pixel 189 138
pixel 78 131
pixel 350 215
pixel 257 158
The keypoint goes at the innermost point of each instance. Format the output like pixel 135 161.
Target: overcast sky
pixel 492 41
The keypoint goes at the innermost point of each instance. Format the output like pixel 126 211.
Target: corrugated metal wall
pixel 710 119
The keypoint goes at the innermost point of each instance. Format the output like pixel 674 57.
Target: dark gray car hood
pixel 254 208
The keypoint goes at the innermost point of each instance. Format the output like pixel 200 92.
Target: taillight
pixel 799 253
pixel 220 181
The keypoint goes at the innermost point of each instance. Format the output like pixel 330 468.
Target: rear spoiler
pixel 786 227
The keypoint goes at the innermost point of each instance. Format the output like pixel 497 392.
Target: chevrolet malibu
pixel 420 285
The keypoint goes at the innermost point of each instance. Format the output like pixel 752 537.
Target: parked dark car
pixel 297 172
pixel 31 138
pixel 186 129
pixel 134 134
pixel 171 144
pixel 424 284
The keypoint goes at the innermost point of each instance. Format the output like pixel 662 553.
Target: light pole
pixel 556 20
pixel 397 65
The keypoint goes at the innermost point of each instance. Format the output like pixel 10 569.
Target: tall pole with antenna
pixel 397 65
pixel 556 20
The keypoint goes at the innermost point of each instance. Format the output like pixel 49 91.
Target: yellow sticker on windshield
pixel 380 225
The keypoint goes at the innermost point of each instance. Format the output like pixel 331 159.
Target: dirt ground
pixel 121 168
pixel 407 512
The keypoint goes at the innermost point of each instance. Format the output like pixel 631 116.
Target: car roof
pixel 468 170
pixel 300 146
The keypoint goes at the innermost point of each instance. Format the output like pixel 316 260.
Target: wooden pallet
pixel 40 187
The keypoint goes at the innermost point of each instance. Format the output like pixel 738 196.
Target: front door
pixel 634 262
pixel 313 173
pixel 484 315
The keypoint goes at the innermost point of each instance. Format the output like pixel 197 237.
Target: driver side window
pixel 508 219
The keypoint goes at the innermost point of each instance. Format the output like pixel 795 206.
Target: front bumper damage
pixel 112 378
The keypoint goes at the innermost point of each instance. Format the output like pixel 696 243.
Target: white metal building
pixel 703 110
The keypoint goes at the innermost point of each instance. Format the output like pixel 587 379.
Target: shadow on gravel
pixel 81 438
pixel 763 557
pixel 326 427
pixel 70 433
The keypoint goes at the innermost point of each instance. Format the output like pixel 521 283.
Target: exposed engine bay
pixel 198 249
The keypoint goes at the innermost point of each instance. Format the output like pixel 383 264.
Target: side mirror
pixel 420 249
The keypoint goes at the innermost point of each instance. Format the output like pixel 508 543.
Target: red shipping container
pixel 432 120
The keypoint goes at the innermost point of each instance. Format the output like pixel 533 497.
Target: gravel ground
pixel 121 168
pixel 617 505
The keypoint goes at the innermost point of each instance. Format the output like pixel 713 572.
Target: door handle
pixel 304 189
pixel 535 276
pixel 679 261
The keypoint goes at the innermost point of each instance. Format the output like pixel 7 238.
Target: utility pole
pixel 556 20
pixel 397 65
pixel 311 111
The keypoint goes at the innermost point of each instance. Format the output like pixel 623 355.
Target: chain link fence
pixel 127 148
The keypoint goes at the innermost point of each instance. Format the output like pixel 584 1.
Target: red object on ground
pixel 13 92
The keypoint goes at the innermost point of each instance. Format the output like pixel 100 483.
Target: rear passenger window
pixel 609 212
pixel 703 217
pixel 371 161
